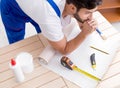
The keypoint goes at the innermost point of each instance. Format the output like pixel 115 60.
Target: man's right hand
pixel 88 27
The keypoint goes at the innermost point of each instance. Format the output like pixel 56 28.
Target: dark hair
pixel 88 4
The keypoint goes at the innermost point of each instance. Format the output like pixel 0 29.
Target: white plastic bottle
pixel 19 76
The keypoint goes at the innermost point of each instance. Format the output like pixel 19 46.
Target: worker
pixel 49 17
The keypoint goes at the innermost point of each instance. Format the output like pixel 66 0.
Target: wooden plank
pixel 109 4
pixel 39 81
pixel 112 71
pixel 4 76
pixel 112 15
pixel 117 58
pixel 113 82
pixel 65 87
pixel 19 44
pixel 35 53
pixel 13 54
pixel 4 67
pixel 70 84
pixel 8 73
pixel 58 83
pixel 43 40
pixel 10 82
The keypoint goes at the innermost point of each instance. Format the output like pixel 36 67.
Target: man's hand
pixel 88 27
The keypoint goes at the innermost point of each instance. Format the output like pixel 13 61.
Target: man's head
pixel 83 9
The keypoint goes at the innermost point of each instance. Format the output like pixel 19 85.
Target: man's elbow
pixel 65 51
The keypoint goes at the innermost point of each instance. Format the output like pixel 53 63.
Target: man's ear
pixel 73 8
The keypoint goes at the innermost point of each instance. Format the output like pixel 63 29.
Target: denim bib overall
pixel 14 19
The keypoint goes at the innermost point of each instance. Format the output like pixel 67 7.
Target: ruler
pixel 66 62
pixel 86 73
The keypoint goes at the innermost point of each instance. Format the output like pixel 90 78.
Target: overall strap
pixel 55 7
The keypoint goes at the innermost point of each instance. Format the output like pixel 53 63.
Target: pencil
pixel 99 50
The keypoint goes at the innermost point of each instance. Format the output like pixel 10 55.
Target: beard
pixel 77 17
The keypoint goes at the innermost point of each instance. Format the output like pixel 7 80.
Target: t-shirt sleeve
pixel 51 25
pixel 52 28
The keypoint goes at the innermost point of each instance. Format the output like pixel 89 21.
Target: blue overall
pixel 0 6
pixel 14 19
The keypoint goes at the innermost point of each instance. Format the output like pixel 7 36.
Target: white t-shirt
pixel 42 13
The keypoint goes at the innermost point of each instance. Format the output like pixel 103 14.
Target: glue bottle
pixel 19 76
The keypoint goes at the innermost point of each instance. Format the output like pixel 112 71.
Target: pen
pixel 100 33
pixel 99 50
pixel 93 62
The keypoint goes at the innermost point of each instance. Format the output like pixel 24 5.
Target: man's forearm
pixel 65 47
pixel 74 43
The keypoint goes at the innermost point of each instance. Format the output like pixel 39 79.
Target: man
pixel 51 18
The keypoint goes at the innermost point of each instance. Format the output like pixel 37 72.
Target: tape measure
pixel 66 62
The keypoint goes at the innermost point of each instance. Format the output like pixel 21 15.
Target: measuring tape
pixel 66 62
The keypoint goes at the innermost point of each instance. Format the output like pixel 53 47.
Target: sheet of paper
pixel 81 58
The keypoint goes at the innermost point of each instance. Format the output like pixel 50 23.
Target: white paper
pixel 81 58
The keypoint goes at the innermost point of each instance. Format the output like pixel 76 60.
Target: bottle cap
pixel 13 62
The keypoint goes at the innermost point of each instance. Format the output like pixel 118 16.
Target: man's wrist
pixel 84 35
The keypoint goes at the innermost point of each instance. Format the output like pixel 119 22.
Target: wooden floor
pixel 42 77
